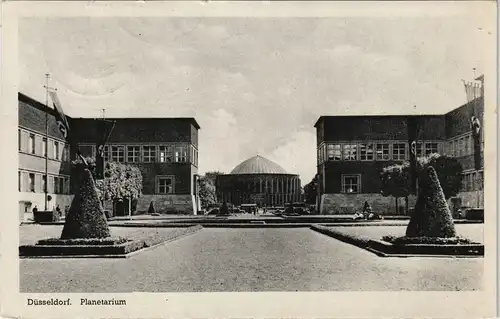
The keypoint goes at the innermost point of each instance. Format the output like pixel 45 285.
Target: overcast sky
pixel 255 85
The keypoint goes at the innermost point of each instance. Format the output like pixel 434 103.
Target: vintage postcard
pixel 249 159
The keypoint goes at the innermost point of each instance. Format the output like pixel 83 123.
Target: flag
pixel 104 130
pixel 61 120
pixel 412 136
pixel 63 125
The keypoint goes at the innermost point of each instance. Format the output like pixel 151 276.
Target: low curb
pixel 383 249
pixel 103 247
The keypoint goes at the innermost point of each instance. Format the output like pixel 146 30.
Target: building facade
pixel 260 181
pixel 164 149
pixel 353 150
pixel 38 135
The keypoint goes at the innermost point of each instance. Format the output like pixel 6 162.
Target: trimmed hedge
pixel 432 216
pixel 83 241
pixel 86 218
pixel 427 240
pixel 475 214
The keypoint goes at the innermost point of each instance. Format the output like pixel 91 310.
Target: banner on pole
pixel 412 137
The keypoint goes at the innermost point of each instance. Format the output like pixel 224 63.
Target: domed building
pixel 260 181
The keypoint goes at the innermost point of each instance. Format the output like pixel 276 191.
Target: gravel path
pixel 219 259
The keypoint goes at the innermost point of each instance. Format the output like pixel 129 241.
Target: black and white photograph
pixel 254 153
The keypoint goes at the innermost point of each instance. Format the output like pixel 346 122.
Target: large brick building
pixel 164 149
pixel 352 151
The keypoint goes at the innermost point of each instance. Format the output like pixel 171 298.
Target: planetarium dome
pixel 259 181
pixel 258 165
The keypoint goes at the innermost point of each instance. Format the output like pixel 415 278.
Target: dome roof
pixel 258 165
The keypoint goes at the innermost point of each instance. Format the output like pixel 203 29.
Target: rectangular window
pixel 450 150
pixel 149 153
pixel 44 146
pixel 399 151
pixel 460 147
pixel 133 154
pixel 383 152
pixel 467 149
pixel 19 181
pixel 334 152
pixel 31 182
pixel 44 183
pixel 419 148
pixel 351 184
pixel 350 152
pixel 470 182
pixel 431 148
pixel 106 153
pixel 19 140
pixel 165 184
pixel 196 157
pixel 61 185
pixel 65 156
pixel 31 143
pixel 66 185
pixel 480 180
pixel 366 152
pixel 165 154
pixel 117 154
pixel 180 154
pixel 56 150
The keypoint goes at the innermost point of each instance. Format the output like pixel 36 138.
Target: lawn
pixel 473 232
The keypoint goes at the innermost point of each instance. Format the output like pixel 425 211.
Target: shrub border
pixel 124 250
pixel 385 249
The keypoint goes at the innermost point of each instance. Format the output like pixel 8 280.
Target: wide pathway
pixel 221 259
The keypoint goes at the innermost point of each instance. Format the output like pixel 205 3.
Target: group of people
pixel 367 213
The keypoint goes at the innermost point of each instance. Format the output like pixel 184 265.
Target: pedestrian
pixel 35 209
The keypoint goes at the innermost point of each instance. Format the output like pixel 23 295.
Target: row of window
pixel 37 144
pixel 371 151
pixel 165 153
pixel 460 146
pixel 36 183
pixel 472 181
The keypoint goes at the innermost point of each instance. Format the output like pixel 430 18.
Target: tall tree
pixel 207 191
pixel 396 179
pixel 311 192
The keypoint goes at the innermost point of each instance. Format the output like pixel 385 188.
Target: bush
pixel 426 240
pixel 86 217
pixel 82 241
pixel 475 214
pixel 151 209
pixel 432 216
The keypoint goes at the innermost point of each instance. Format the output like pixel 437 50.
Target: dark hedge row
pixel 82 241
pixel 427 240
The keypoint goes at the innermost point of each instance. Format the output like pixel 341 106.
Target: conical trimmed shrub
pixel 432 216
pixel 86 218
pixel 151 210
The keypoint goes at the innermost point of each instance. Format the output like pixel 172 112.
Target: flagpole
pixel 47 76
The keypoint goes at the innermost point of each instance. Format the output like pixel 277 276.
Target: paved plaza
pixel 257 259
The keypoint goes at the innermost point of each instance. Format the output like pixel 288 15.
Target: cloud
pixel 255 85
pixel 297 155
